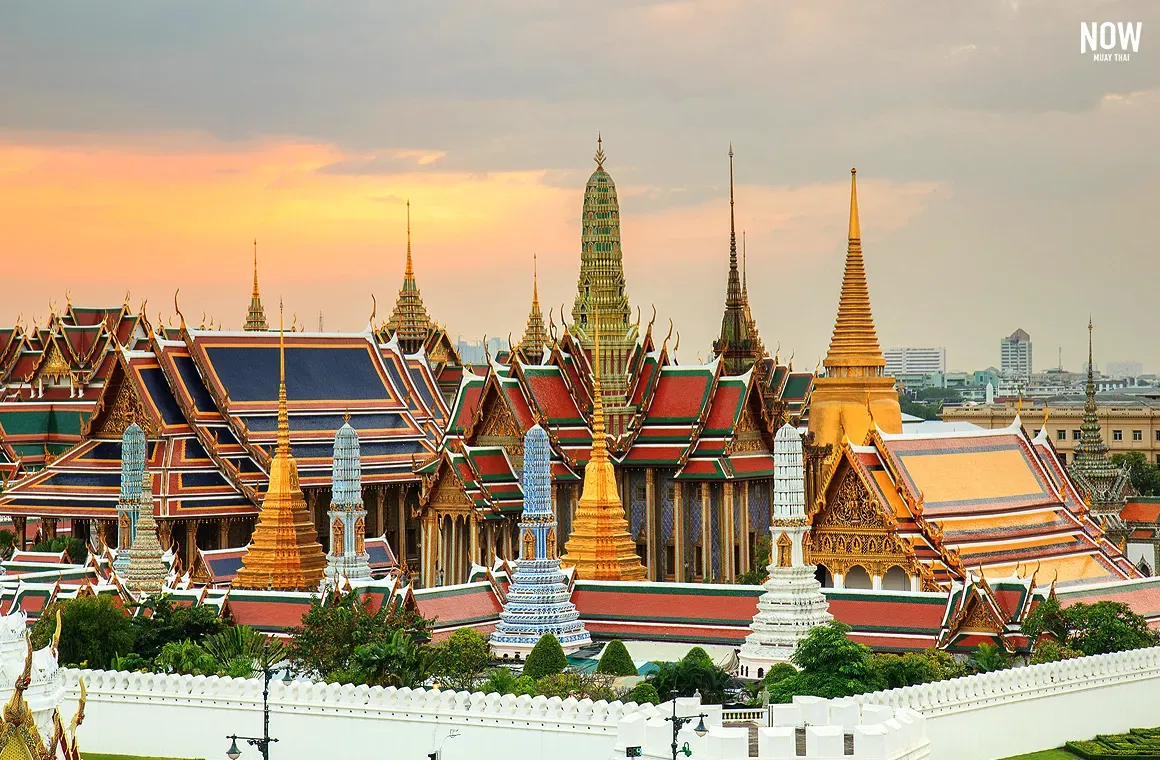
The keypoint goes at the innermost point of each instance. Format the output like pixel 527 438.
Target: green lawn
pixel 1047 754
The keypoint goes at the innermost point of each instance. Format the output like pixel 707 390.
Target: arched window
pixel 824 577
pixel 896 579
pixel 857 577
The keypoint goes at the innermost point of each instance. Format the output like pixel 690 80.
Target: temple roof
pixel 988 498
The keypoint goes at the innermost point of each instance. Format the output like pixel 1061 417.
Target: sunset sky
pixel 1005 179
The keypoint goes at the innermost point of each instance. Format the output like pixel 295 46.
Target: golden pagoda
pixel 409 321
pixel 284 553
pixel 855 385
pixel 256 316
pixel 535 336
pixel 600 547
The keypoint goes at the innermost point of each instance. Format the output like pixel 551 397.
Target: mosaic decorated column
pixel 538 601
pixel 346 517
pixel 129 500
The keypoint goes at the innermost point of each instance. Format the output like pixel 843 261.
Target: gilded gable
pixel 125 409
pixel 499 428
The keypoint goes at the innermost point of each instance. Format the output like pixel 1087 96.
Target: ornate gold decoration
pixel 529 545
pixel 784 551
pixel 360 531
pixel 747 437
pixel 499 428
pixel 126 409
pixel 55 366
pixel 338 540
pixel 853 529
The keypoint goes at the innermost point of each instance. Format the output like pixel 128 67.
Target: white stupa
pixel 793 601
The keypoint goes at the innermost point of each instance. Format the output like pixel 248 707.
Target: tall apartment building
pixel 915 361
pixel 1124 369
pixel 1015 355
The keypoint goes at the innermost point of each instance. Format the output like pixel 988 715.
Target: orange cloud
pixel 152 213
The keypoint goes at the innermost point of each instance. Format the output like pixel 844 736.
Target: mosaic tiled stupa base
pixel 537 602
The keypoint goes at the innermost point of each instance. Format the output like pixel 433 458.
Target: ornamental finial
pixel 599 157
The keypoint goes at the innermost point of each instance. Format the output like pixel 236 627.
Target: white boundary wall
pixel 190 716
pixel 1009 712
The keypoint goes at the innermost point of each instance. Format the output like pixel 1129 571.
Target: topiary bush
pixel 546 658
pixel 643 693
pixel 697 654
pixel 778 672
pixel 615 660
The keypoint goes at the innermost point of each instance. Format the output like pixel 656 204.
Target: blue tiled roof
pixel 250 373
pixel 158 388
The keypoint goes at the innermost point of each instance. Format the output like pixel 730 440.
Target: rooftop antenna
pixel 1061 358
pixel 320 321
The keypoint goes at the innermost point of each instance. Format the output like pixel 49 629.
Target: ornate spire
pixel 855 394
pixel 409 320
pixel 854 348
pixel 256 316
pixel 284 552
pixel 128 504
pixel 601 285
pixel 1106 485
pixel 146 569
pixel 535 336
pixel 600 546
pixel 599 157
pixel 735 344
pixel 348 556
pixel 538 601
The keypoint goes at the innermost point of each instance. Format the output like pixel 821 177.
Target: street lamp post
pixel 679 723
pixel 265 740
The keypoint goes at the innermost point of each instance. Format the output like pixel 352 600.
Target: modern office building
pixel 915 361
pixel 1015 355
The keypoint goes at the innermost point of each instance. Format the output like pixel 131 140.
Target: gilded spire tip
pixel 599 157
pixel 855 226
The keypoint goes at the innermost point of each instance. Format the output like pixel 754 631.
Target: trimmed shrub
pixel 643 693
pixel 777 673
pixel 615 660
pixel 546 658
pixel 697 654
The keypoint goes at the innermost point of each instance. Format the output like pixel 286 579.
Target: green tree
pixel 777 673
pixel 242 652
pixel 694 672
pixel 7 543
pixel 323 647
pixel 1050 650
pixel 546 658
pixel 74 547
pixel 908 669
pixel 1144 475
pixel 161 622
pixel 576 685
pixel 94 630
pixel 1090 628
pixel 186 658
pixel 759 573
pixel 918 408
pixel 615 660
pixel 643 694
pixel 504 681
pixel 460 661
pixel 831 665
pixel 988 658
pixel 399 661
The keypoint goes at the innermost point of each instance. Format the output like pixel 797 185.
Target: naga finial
pixel 374 311
pixel 178 308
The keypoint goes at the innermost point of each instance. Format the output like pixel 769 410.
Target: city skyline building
pixel 908 360
pixel 1015 358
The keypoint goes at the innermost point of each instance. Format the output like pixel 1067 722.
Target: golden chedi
pixel 600 547
pixel 284 553
pixel 855 385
